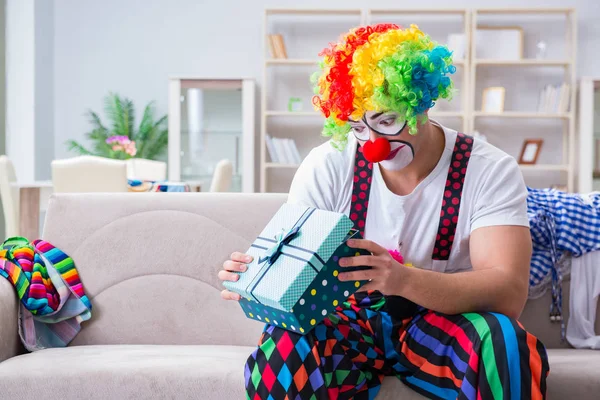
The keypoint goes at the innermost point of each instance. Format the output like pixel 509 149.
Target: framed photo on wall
pixel 493 99
pixel 530 151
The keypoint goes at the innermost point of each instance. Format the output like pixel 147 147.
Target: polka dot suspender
pixel 450 203
pixel 452 196
pixel 363 171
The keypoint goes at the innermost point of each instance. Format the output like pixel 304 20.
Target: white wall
pixel 133 46
pixel 2 77
pixel 29 85
pixel 44 88
pixel 20 88
pixel 2 95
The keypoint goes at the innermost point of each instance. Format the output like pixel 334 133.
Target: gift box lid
pixel 289 253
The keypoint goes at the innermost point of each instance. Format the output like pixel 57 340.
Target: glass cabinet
pixel 211 120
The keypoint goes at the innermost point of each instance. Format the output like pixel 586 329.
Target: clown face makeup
pixel 401 154
pixel 388 150
pixel 386 124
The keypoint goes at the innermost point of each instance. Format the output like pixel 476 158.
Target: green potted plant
pixel 120 139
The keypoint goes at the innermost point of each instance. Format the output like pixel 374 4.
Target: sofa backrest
pixel 149 262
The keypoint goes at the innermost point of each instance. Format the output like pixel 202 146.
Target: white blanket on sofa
pixel 585 289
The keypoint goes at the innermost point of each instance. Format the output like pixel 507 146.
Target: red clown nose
pixel 376 151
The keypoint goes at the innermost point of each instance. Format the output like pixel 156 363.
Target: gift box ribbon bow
pixel 272 254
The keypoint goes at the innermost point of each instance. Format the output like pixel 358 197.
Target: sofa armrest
pixel 10 345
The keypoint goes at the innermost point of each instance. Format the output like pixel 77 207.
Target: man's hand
pixel 500 257
pixel 385 274
pixel 236 263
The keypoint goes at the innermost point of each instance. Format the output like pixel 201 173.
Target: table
pixel 34 196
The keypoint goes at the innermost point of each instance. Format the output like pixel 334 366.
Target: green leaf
pixel 113 107
pixel 95 120
pixel 102 149
pixel 158 146
pixel 74 146
pixel 144 131
pixel 129 118
pixel 99 135
pixel 153 143
pixel 151 137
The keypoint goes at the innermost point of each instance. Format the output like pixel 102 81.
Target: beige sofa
pixel 149 264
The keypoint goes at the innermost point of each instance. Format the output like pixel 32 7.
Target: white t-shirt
pixel 494 193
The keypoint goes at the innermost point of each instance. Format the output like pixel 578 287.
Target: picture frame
pixel 499 42
pixel 294 104
pixel 530 151
pixel 492 99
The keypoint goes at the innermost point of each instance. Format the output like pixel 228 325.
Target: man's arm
pixel 500 257
pixel 500 251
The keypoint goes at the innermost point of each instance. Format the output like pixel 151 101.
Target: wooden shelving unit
pixel 463 66
pixel 468 115
pixel 519 114
pixel 567 164
pixel 267 115
pixel 447 114
pixel 522 63
pixel 589 133
pixel 277 165
pixel 545 167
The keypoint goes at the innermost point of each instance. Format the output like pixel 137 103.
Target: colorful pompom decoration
pixel 396 256
pixel 382 68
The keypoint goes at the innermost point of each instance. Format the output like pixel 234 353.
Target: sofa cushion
pixel 126 372
pixel 574 374
pixel 207 372
pixel 139 372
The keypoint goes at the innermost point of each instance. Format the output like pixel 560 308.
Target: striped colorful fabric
pixel 52 297
pixel 469 356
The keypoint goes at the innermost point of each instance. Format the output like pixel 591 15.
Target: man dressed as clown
pixel 442 317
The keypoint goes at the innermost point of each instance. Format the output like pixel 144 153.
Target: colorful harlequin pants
pixel 468 356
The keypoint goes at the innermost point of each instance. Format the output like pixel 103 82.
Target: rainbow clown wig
pixel 380 68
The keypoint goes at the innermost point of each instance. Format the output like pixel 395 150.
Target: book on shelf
pixel 565 95
pixel 271 149
pixel 283 150
pixel 296 153
pixel 554 99
pixel 289 153
pixel 280 151
pixel 277 46
pixel 272 49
